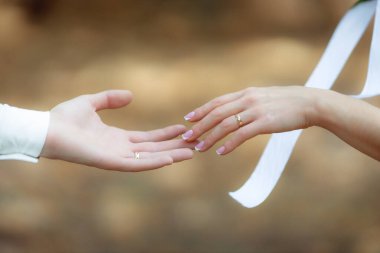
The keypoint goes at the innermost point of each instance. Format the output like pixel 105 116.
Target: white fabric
pixel 22 133
pixel 345 38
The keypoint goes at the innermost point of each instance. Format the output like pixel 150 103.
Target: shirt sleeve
pixel 22 133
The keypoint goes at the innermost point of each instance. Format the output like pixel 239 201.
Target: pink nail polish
pixel 199 146
pixel 220 150
pixel 189 116
pixel 187 135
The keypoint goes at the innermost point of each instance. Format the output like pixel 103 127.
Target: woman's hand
pixel 77 134
pixel 251 112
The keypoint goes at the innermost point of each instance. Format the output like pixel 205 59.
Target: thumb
pixel 110 99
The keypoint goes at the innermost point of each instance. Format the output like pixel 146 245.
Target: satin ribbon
pixel 345 38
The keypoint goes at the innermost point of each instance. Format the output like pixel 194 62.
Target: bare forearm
pixel 354 121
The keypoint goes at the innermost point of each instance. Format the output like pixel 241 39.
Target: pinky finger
pixel 242 135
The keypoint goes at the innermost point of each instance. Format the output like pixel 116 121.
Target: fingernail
pixel 199 146
pixel 187 135
pixel 220 150
pixel 189 116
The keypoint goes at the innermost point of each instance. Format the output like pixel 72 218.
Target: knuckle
pixel 249 99
pixel 213 136
pixel 199 112
pixel 216 102
pixel 209 142
pixel 225 124
pixel 230 145
pixel 197 129
pixel 217 113
pixel 241 135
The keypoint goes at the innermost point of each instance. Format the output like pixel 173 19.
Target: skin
pixel 77 134
pixel 281 109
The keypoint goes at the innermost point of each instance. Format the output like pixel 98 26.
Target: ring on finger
pixel 238 120
pixel 137 155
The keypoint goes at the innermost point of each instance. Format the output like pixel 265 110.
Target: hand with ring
pixel 77 134
pixel 251 112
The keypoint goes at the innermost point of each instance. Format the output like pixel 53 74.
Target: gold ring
pixel 137 155
pixel 238 120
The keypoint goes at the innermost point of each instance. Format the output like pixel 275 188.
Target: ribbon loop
pixel 345 38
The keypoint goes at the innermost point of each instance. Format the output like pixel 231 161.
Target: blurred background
pixel 175 55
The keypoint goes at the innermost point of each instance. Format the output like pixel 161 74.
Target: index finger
pixel 205 109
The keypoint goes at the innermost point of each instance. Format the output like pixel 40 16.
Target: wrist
pixel 327 104
pixel 50 141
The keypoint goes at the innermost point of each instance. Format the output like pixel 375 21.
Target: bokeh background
pixel 175 55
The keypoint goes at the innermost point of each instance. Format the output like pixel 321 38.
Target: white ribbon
pixel 345 38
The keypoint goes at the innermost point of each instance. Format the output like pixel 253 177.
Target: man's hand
pixel 77 134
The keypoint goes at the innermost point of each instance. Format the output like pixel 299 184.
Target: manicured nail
pixel 199 146
pixel 187 135
pixel 189 116
pixel 220 150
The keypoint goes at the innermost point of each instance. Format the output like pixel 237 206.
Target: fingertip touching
pixel 194 133
pixel 173 131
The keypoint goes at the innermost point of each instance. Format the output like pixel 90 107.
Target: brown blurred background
pixel 175 55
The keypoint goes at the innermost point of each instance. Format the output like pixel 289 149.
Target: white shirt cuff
pixel 22 133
